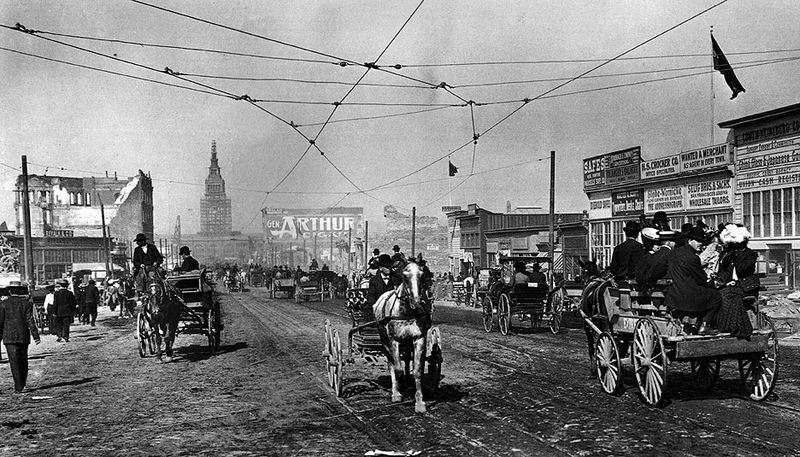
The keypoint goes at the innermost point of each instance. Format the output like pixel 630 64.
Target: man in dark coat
pixel 144 254
pixel 188 263
pixel 16 327
pixel 92 299
pixel 653 266
pixel 64 306
pixel 690 291
pixel 627 254
pixel 379 284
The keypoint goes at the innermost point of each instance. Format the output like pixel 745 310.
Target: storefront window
pixel 797 211
pixel 746 211
pixel 617 235
pixel 756 214
pixel 777 213
pixel 787 212
pixel 767 219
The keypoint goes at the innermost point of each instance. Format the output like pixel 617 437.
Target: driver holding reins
pixel 379 284
pixel 145 254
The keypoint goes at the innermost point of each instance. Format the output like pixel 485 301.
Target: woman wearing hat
pixel 737 274
pixel 188 263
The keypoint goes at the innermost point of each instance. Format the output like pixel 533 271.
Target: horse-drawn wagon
pixel 640 323
pixel 284 286
pixel 531 300
pixel 179 304
pixel 412 356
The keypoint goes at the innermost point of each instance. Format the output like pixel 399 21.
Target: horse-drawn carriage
pixel 234 281
pixel 284 286
pixel 640 323
pixel 531 300
pixel 182 303
pixel 404 356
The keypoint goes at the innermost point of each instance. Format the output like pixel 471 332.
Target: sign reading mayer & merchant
pixel 613 168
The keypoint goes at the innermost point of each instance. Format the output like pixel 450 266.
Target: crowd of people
pixel 712 271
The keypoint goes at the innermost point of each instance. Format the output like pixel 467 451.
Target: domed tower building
pixel 215 207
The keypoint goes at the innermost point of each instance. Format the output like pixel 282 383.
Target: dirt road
pixel 264 394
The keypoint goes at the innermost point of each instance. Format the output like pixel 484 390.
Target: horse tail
pixel 592 301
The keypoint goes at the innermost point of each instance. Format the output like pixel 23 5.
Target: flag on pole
pixel 453 168
pixel 721 64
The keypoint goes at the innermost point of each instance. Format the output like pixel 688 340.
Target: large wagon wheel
pixel 609 364
pixel 504 314
pixel 705 373
pixel 488 310
pixel 434 358
pixel 760 370
pixel 142 334
pixel 212 330
pixel 333 358
pixel 556 309
pixel 649 362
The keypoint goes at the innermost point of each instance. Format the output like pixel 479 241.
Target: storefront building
pixel 767 192
pixel 688 186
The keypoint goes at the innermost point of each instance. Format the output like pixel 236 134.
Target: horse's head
pixel 412 274
pixel 589 269
pixel 155 296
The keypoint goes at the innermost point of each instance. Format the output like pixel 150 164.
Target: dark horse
pixel 593 303
pixel 164 304
pixel 403 324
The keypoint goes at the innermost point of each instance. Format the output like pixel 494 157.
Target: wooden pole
pixel 109 272
pixel 413 230
pixel 349 247
pixel 552 214
pixel 26 217
pixel 366 241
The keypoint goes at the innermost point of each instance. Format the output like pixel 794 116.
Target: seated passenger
pixel 651 246
pixel 627 254
pixel 379 284
pixel 658 262
pixel 690 292
pixel 737 274
pixel 520 276
pixel 537 276
pixel 188 263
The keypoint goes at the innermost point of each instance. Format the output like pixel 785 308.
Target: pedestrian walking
pixel 16 327
pixel 64 305
pixel 91 300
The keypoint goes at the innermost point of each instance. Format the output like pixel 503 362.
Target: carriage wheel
pixel 434 359
pixel 212 328
pixel 556 308
pixel 504 314
pixel 338 363
pixel 759 371
pixel 488 309
pixel 609 364
pixel 649 362
pixel 142 334
pixel 705 373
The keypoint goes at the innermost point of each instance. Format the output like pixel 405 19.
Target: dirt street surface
pixel 265 393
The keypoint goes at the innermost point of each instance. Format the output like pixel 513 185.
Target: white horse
pixel 403 324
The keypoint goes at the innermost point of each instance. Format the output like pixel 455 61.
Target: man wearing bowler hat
pixel 379 284
pixel 64 307
pixel 188 263
pixel 145 254
pixel 16 327
pixel 627 254
pixel 690 293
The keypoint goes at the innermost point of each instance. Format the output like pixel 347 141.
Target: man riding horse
pixel 145 254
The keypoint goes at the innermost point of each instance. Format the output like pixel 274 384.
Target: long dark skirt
pixel 732 316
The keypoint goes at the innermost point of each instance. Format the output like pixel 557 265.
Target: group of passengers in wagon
pixel 712 272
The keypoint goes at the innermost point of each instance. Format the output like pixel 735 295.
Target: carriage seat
pixel 651 299
pixel 530 293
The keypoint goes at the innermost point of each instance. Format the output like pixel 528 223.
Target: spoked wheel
pixel 705 373
pixel 333 358
pixel 212 329
pixel 760 370
pixel 649 362
pixel 609 364
pixel 433 360
pixel 556 308
pixel 504 314
pixel 142 334
pixel 488 310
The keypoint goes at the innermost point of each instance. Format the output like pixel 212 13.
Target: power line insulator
pixel 398 66
pixel 343 64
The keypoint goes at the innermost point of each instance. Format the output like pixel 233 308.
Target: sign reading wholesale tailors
pixel 768 165
pixel 711 194
pixel 613 168
pixel 292 224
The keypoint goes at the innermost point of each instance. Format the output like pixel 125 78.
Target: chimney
pixel 508 206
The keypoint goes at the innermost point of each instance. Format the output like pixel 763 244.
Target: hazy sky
pixel 88 122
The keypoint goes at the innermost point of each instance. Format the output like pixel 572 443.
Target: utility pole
pixel 315 246
pixel 413 230
pixel 109 272
pixel 366 241
pixel 349 247
pixel 552 213
pixel 26 217
pixel 330 257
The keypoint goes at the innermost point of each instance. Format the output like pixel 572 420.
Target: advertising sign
pixel 292 224
pixel 664 199
pixel 612 168
pixel 657 168
pixel 768 165
pixel 627 203
pixel 450 209
pixel 600 208
pixel 700 159
pixel 717 193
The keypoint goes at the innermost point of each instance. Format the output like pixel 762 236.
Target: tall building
pixel 215 207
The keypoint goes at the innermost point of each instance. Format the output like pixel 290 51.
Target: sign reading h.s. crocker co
pixel 613 168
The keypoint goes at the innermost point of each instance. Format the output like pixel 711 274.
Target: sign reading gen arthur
pixel 292 224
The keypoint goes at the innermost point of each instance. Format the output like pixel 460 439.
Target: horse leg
pixel 157 331
pixel 170 340
pixel 419 355
pixel 395 370
pixel 590 345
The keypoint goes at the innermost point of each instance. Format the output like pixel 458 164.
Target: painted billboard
pixel 627 203
pixel 614 168
pixel 283 224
